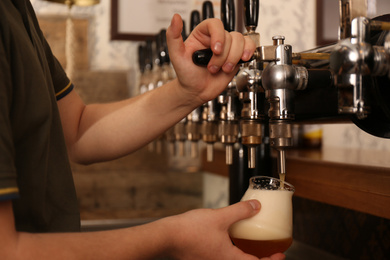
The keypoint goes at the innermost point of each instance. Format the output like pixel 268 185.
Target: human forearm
pixel 141 242
pixel 109 131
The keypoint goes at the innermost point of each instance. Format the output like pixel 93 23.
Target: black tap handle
pixel 251 9
pixel 141 57
pixel 202 57
pixel 228 15
pixel 149 53
pixel 207 10
pixel 164 57
pixel 184 32
pixel 195 19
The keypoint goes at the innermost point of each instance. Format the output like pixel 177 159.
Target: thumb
pixel 174 38
pixel 240 211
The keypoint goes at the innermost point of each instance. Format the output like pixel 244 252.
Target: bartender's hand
pixel 203 233
pixel 198 83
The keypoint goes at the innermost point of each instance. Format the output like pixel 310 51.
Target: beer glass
pixel 269 231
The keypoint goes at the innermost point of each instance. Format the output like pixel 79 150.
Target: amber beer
pixel 269 231
pixel 262 248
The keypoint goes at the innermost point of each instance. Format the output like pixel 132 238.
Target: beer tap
pixel 147 84
pixel 355 61
pixel 209 125
pixel 248 83
pixel 280 79
pixel 228 127
pixel 142 68
pixel 192 126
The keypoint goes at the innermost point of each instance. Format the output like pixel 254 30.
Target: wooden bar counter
pixel 349 178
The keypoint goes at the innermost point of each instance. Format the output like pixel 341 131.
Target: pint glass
pixel 269 231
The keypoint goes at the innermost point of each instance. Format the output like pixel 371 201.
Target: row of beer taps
pixel 258 104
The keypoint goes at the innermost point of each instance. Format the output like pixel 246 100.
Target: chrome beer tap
pixel 355 61
pixel 279 81
pixel 209 125
pixel 228 126
pixel 251 94
pixel 147 83
pixel 142 68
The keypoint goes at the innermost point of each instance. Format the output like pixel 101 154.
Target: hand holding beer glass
pixel 269 231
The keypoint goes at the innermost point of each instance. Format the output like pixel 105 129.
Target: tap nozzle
pixel 280 139
pixel 228 128
pixel 209 127
pixel 193 130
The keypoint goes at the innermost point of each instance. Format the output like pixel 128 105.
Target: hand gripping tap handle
pixel 251 7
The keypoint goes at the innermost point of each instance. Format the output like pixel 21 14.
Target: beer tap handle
pixel 207 10
pixel 184 32
pixel 164 56
pixel 195 19
pixel 141 58
pixel 251 17
pixel 149 54
pixel 228 15
pixel 202 57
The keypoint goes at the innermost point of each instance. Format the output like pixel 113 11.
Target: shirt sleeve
pixel 61 82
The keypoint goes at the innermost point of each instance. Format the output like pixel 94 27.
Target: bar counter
pixel 349 178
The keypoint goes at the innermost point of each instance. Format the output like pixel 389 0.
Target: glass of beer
pixel 269 231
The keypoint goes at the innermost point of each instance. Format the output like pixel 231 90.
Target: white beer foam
pixel 274 221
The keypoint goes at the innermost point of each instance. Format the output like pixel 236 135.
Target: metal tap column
pixel 228 127
pixel 209 126
pixel 250 92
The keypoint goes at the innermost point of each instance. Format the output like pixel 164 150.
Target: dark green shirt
pixel 34 168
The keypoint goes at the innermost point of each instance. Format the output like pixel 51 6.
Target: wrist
pixel 185 96
pixel 171 233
